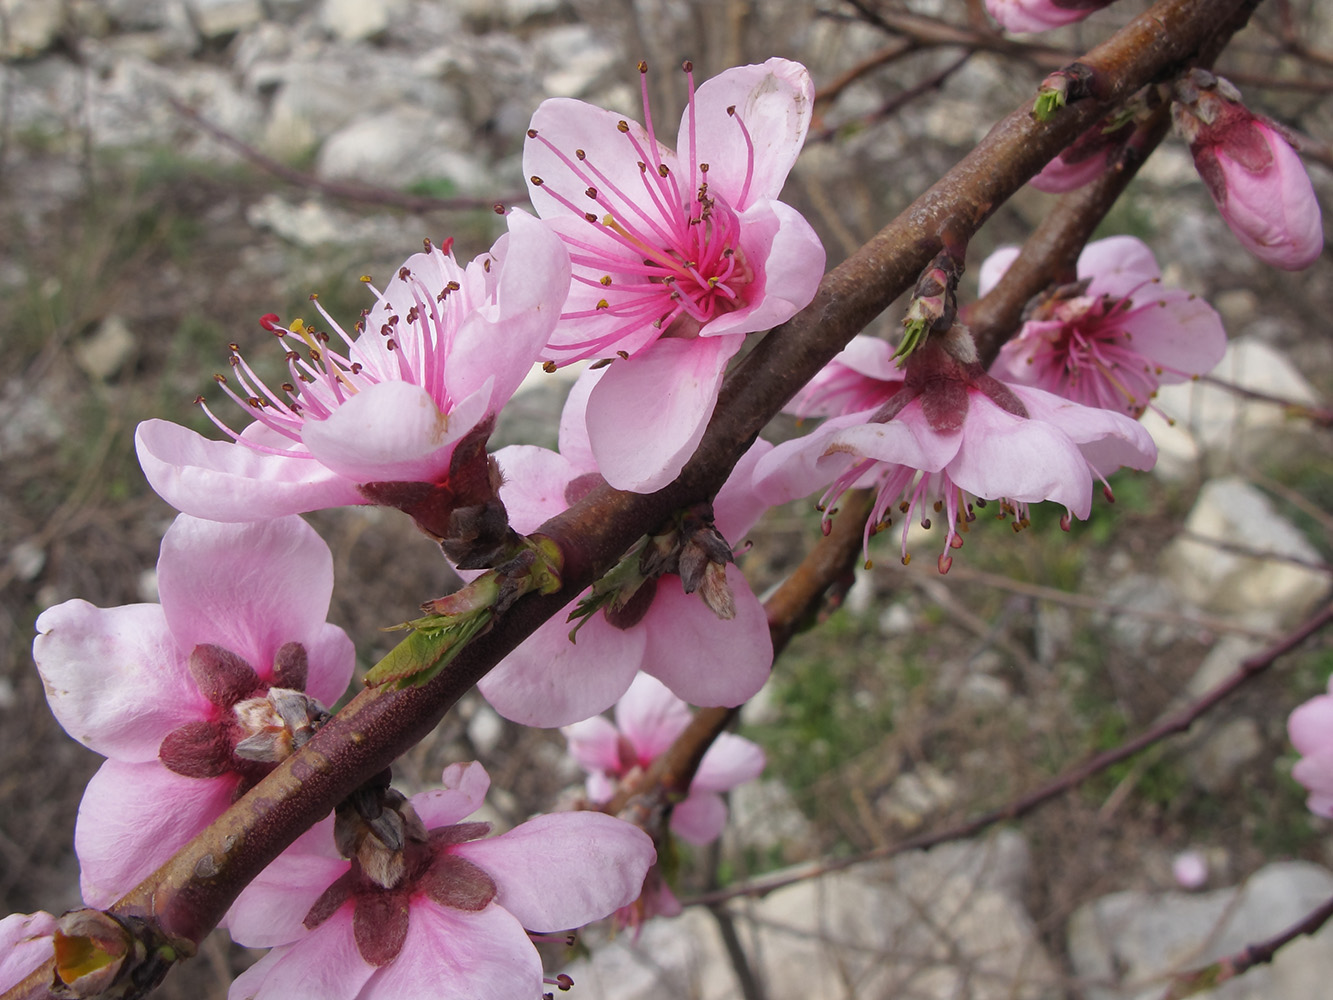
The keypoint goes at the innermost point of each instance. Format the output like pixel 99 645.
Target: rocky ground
pixel 136 244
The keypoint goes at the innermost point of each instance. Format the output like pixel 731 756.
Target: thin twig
pixel 1185 984
pixel 366 193
pixel 1177 722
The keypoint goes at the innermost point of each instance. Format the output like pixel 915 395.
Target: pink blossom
pixel 168 691
pixel 648 720
pixel 550 680
pixel 1085 159
pixel 946 433
pixel 25 943
pixel 1254 176
pixel 434 360
pixel 676 255
pixel 1115 336
pixel 454 925
pixel 1040 15
pixel 1311 730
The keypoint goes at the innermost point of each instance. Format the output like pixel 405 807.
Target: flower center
pixel 667 251
pixel 409 346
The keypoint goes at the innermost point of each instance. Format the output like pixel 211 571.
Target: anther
pixel 548 367
pixel 219 378
pixel 580 154
pixel 499 209
pixel 731 111
pixel 643 66
pixel 605 279
pixel 623 125
pixel 532 133
pixel 662 170
pixel 687 66
pixel 404 273
pixel 537 181
pixel 591 217
pixel 591 192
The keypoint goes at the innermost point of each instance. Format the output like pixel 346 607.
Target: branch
pixel 369 194
pixel 189 895
pixel 1185 984
pixel 1178 722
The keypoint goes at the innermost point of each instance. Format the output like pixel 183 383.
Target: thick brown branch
pixel 190 894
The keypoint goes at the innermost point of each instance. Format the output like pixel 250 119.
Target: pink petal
pixel 1118 266
pixel 465 787
pixel 700 657
pixel 649 715
pixel 550 681
pixel 774 100
pixel 1311 726
pixel 732 760
pixel 594 744
pixel 993 267
pixel 789 262
pixel 574 443
pixel 25 943
pixel 393 432
pixel 872 357
pixel 564 870
pixel 572 125
pixel 1021 16
pixel 248 588
pixel 226 481
pixel 323 965
pixel 798 467
pixel 647 414
pixel 700 818
pixel 115 679
pixel 456 955
pixel 534 484
pixel 1106 439
pixel 1274 214
pixel 1059 176
pixel 904 440
pixel 332 657
pixel 738 506
pixel 533 284
pixel 1003 455
pixel 1177 330
pixel 134 817
pixel 270 911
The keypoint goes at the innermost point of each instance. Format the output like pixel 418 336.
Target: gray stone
pixel 1126 945
pixel 104 353
pixel 355 20
pixel 943 924
pixel 573 58
pixel 219 18
pixel 485 729
pixel 764 816
pixel 1232 432
pixel 1223 752
pixel 27 560
pixel 915 795
pixel 399 146
pixel 1260 590
pixel 31 26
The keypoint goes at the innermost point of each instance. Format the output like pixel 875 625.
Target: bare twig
pixel 1177 722
pixel 1187 984
pixel 366 193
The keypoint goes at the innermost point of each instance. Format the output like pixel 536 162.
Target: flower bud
pixel 1255 177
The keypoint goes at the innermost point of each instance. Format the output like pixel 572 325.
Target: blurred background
pixel 171 170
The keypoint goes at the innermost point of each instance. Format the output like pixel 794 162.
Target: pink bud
pixel 1255 177
pixel 1040 15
